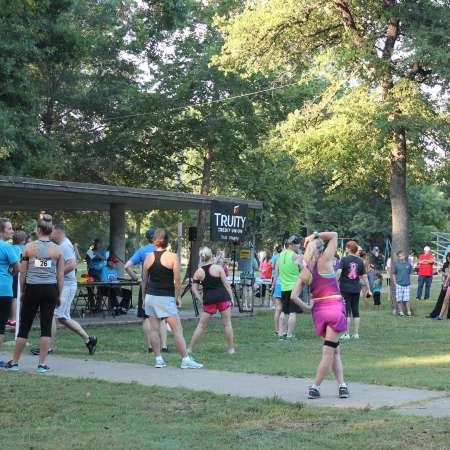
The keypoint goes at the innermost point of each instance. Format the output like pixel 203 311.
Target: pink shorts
pixel 221 306
pixel 329 313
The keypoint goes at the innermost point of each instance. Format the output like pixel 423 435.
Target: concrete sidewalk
pixel 292 390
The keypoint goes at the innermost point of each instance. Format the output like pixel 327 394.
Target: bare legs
pixel 445 304
pixel 72 325
pixel 277 313
pixel 331 358
pixel 44 345
pixel 162 332
pixel 203 324
pixel 292 320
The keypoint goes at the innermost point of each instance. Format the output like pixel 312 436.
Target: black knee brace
pixel 331 344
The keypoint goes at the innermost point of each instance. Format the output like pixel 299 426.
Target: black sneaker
pixel 92 344
pixel 313 393
pixel 35 351
pixel 12 366
pixel 343 392
pixel 165 349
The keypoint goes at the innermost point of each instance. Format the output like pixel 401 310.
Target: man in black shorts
pixel 289 263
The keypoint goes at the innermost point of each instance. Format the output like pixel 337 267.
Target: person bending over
pixel 327 307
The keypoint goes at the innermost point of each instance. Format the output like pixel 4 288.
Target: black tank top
pixel 160 278
pixel 213 289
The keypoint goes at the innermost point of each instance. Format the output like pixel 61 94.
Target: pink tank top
pixel 323 286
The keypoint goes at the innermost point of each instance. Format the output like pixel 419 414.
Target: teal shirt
pixel 376 286
pixel 8 256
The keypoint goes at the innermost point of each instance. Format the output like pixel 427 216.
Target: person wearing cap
pixel 96 258
pixel 138 258
pixel 289 263
pixel 110 274
pixel 376 260
pixel 426 263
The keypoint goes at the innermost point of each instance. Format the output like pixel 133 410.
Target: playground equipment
pixel 441 241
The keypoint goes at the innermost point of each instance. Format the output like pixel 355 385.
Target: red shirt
pixel 426 270
pixel 265 270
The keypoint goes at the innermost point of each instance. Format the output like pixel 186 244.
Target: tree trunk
pixel 399 206
pixel 201 215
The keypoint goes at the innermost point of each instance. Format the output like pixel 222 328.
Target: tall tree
pixel 377 117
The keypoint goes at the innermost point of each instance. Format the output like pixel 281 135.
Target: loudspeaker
pixel 192 234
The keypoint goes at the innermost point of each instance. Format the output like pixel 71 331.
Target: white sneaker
pixel 160 363
pixel 231 351
pixel 355 336
pixel 189 363
pixel 401 314
pixel 345 337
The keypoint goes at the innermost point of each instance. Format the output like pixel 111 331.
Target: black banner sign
pixel 228 221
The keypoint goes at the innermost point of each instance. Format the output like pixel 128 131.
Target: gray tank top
pixel 41 268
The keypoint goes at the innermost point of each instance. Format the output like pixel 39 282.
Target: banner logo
pixel 227 221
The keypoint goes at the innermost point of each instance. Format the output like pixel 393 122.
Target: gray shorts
pixel 160 307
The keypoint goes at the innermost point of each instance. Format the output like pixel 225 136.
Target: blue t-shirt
pixel 95 262
pixel 109 274
pixel 403 271
pixel 8 256
pixel 19 248
pixel 140 254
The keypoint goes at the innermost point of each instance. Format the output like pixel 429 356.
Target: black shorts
pixel 141 311
pixel 287 305
pixel 351 304
pixel 5 310
pixel 377 298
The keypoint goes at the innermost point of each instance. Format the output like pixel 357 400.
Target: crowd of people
pixel 313 279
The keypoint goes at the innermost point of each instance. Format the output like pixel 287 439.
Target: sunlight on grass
pixel 407 361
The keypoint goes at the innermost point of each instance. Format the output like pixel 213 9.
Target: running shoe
pixel 291 338
pixel 231 351
pixel 165 349
pixel 42 368
pixel 437 318
pixel 190 363
pixel 355 336
pixel 345 337
pixel 401 314
pixel 160 363
pixel 12 366
pixel 92 344
pixel 282 338
pixel 313 393
pixel 343 391
pixel 408 314
pixel 36 351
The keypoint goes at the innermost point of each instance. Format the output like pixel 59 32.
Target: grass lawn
pixel 396 351
pixel 44 412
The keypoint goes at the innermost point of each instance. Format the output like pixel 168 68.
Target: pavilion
pixel 30 194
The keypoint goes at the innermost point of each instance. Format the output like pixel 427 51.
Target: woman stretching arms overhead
pixel 328 310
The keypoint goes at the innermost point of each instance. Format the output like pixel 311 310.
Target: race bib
pixel 42 263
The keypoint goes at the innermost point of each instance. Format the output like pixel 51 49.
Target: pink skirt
pixel 329 313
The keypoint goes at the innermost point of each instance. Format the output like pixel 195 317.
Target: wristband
pixel 316 235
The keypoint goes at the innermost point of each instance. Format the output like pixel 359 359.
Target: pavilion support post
pixel 117 233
